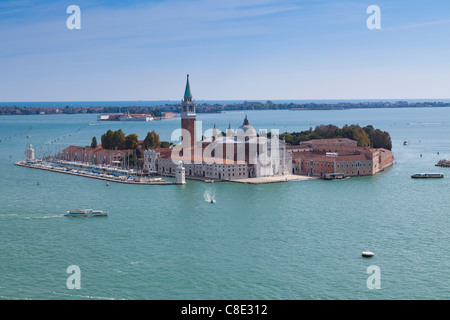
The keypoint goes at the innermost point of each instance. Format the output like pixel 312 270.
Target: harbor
pixel 88 172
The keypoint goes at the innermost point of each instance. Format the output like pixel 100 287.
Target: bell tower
pixel 188 118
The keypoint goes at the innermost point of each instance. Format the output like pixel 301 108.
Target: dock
pixel 273 179
pixel 86 174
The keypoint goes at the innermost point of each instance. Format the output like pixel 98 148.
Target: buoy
pixel 367 254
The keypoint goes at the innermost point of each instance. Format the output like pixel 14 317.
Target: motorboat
pixel 86 213
pixel 367 254
pixel 427 175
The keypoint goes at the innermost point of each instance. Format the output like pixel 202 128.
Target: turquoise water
pixel 296 240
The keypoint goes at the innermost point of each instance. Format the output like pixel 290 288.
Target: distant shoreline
pixel 155 110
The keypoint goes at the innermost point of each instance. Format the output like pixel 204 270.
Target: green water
pixel 296 240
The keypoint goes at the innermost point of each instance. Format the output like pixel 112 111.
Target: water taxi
pixel 86 213
pixel 427 175
pixel 334 176
pixel 367 254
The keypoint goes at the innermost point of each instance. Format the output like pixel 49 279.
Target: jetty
pixel 92 174
pixel 273 179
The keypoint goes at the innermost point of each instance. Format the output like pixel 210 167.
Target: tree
pixel 94 142
pixel 156 113
pixel 107 139
pixel 118 140
pixel 166 144
pixel 355 132
pixel 131 141
pixel 381 139
pixel 152 141
pixel 361 136
pixel 327 132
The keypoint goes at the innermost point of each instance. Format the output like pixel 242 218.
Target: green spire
pixel 187 92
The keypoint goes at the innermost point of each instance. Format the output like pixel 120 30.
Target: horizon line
pixel 247 100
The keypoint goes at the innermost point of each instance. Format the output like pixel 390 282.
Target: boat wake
pixel 209 196
pixel 42 217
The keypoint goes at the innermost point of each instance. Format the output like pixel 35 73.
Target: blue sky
pixel 235 49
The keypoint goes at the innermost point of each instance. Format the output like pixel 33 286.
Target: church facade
pixel 241 153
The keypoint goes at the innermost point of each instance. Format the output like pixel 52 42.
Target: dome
pixel 246 129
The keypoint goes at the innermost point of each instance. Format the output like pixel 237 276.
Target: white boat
pixel 367 254
pixel 86 213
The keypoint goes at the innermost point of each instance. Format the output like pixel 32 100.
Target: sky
pixel 232 50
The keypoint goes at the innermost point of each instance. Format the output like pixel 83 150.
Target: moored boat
pixel 443 163
pixel 427 175
pixel 86 213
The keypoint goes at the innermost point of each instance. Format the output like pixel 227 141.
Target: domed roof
pixel 246 129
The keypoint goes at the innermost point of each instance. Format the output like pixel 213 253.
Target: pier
pixel 88 174
pixel 274 179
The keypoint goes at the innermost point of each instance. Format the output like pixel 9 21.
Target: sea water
pixel 293 240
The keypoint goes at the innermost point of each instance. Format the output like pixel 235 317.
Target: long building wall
pixel 212 171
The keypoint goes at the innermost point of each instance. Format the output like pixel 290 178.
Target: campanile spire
pixel 188 118
pixel 187 91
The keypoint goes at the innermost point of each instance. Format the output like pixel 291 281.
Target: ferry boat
pixel 443 163
pixel 86 213
pixel 427 175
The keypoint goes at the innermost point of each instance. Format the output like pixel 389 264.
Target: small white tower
pixel 30 153
pixel 179 173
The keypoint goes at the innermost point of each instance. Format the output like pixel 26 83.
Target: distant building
pixel 135 117
pixel 124 117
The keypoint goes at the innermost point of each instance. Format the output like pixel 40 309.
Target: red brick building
pixel 94 155
pixel 323 157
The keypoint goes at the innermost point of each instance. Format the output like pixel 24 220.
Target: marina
pixel 94 174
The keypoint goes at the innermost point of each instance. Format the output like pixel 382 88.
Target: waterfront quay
pixel 274 179
pixel 89 172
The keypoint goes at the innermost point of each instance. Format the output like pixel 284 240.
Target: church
pixel 241 153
